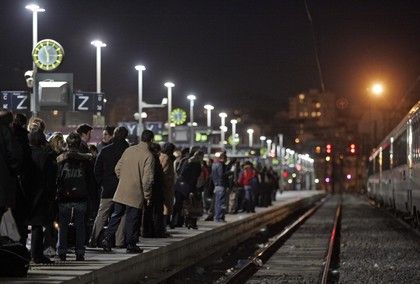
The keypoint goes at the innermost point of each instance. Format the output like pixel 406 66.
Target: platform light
pixel 293 175
pixel 349 176
pixel 327 179
pixel 327 158
pixel 289 180
pixel 316 180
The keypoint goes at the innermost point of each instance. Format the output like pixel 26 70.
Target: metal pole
pixel 191 123
pixel 233 137
pixel 281 161
pixel 222 132
pixel 98 69
pixel 169 114
pixel 34 97
pixel 140 92
pixel 208 108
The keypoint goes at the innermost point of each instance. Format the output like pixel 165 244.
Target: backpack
pixel 72 182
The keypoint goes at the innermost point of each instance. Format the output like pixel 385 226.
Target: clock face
pixel 48 54
pixel 178 116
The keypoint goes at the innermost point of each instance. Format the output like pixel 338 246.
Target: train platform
pixel 163 257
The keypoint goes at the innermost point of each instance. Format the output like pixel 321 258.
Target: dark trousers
pixel 64 218
pixel 131 223
pixel 37 242
pixel 177 216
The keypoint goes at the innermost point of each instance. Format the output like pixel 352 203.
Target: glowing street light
pixel 209 108
pixel 191 98
pixel 140 69
pixel 269 141
pixel 233 122
pixel 169 85
pixel 250 136
pixel 262 139
pixel 223 128
pixel 377 89
pixel 35 10
pixel 98 44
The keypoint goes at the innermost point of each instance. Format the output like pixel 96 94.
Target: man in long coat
pixel 135 171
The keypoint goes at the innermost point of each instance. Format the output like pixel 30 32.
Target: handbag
pixel 8 226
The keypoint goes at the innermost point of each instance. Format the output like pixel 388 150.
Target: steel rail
pixel 331 245
pixel 257 261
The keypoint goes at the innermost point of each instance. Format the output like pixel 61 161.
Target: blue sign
pixel 89 101
pixel 155 127
pixel 15 101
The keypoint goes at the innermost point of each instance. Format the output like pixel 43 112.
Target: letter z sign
pixel 82 102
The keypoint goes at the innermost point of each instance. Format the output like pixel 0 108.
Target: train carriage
pixel 394 167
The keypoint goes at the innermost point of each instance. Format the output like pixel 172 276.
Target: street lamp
pixel 262 139
pixel 233 122
pixel 250 136
pixel 377 89
pixel 223 129
pixel 209 108
pixel 169 85
pixel 269 141
pixel 98 44
pixel 191 98
pixel 34 98
pixel 140 69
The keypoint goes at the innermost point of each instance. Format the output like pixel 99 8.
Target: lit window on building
pixel 301 97
pixel 313 114
pixel 318 149
pixel 318 105
pixel 306 114
pixel 297 140
pixel 318 113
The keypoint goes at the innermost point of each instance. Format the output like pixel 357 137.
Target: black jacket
pixel 187 181
pixel 85 162
pixel 43 189
pixel 10 160
pixel 105 167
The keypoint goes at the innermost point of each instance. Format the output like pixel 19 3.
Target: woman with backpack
pixel 75 180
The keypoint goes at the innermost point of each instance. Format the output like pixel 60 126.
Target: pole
pixel 233 136
pixel 169 114
pixel 34 97
pixel 281 162
pixel 191 123
pixel 98 69
pixel 140 92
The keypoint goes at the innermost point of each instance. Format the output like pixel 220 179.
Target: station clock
pixel 48 54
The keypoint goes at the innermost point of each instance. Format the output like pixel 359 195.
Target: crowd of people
pixel 69 193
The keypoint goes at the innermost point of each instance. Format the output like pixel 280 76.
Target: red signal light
pixel 353 148
pixel 285 174
pixel 328 148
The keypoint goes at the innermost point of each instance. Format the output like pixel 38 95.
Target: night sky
pixel 249 56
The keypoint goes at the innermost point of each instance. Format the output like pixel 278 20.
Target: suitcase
pixel 14 258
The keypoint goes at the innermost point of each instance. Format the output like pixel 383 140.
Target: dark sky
pixel 248 55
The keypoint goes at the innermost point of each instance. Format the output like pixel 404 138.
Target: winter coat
pixel 135 170
pixel 43 188
pixel 103 144
pixel 246 176
pixel 105 167
pixel 168 182
pixel 86 167
pixel 187 180
pixel 219 174
pixel 9 165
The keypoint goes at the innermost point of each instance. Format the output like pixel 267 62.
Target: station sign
pixel 155 127
pixel 18 101
pixel 89 101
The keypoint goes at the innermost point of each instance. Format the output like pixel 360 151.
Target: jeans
pixel 219 203
pixel 132 225
pixel 64 218
pixel 249 198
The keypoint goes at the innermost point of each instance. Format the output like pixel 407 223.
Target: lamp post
pixel 233 122
pixel 140 69
pixel 262 139
pixel 191 98
pixel 34 98
pixel 98 44
pixel 209 108
pixel 377 89
pixel 269 141
pixel 169 85
pixel 250 137
pixel 223 129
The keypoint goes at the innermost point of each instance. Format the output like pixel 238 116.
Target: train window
pixel 400 149
pixel 386 161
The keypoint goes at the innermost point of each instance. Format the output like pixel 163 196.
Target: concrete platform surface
pixel 163 257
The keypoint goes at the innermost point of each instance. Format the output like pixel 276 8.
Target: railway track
pixel 304 251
